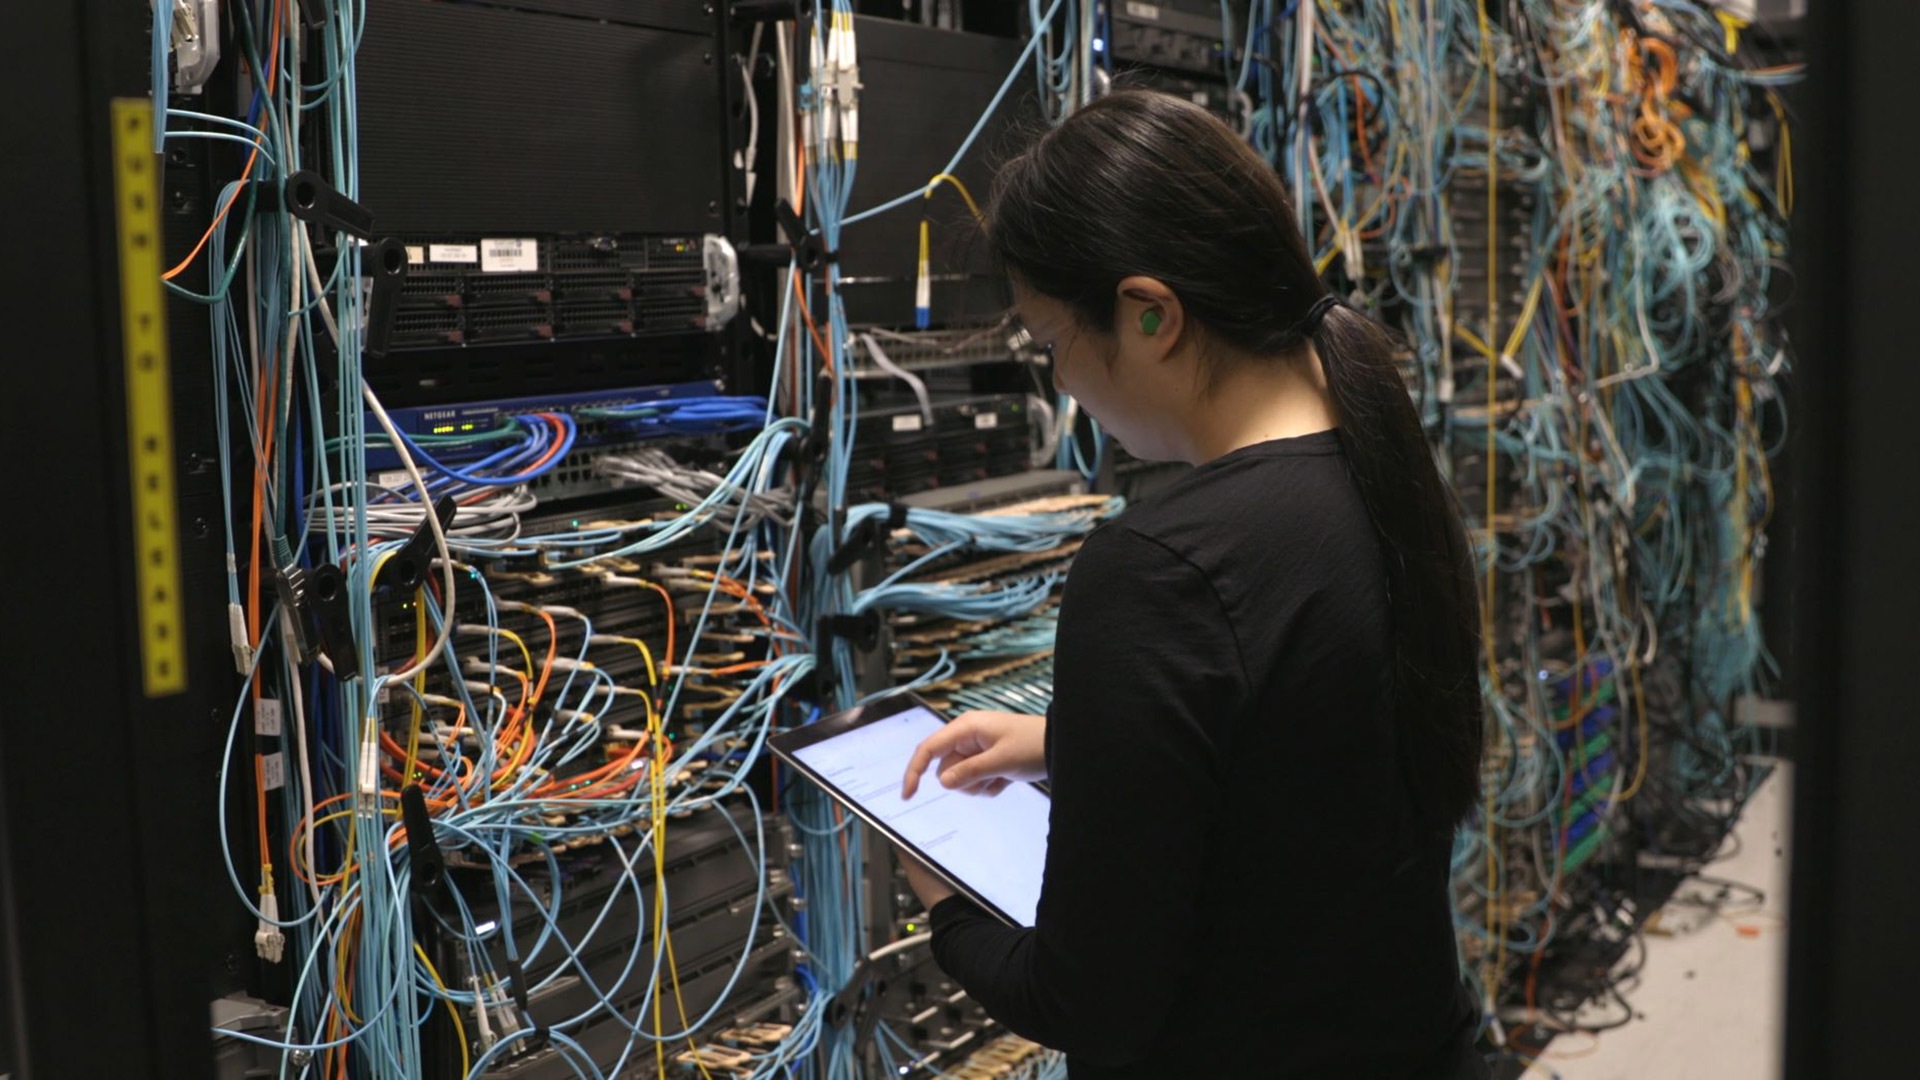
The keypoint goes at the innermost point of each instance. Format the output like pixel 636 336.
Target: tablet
pixel 991 849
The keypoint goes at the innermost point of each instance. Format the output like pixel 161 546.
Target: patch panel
pixel 922 350
pixel 898 450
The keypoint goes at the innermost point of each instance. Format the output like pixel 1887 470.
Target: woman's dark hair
pixel 1143 183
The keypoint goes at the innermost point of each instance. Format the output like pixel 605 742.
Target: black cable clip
pixel 290 582
pixel 864 537
pixel 311 199
pixel 517 983
pixel 852 996
pixel 408 567
pixel 808 249
pixel 427 877
pixel 386 263
pixel 315 602
pixel 854 1003
pixel 427 884
pixel 802 246
pixel 862 630
pixel 813 448
pixel 325 592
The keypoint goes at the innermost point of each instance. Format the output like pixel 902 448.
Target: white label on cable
pixel 986 420
pixel 453 253
pixel 1200 97
pixel 907 422
pixel 1143 11
pixel 274 768
pixel 392 478
pixel 266 717
pixel 509 256
pixel 416 255
pixel 369 766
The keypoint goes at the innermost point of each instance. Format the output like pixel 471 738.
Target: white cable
pixel 1085 75
pixel 783 64
pixel 653 467
pixel 304 244
pixel 306 776
pixel 495 518
pixel 433 526
pixel 1040 412
pixel 1652 366
pixel 752 152
pixel 885 363
pixel 900 946
pixel 1302 63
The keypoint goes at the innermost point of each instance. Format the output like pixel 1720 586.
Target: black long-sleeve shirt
pixel 1237 883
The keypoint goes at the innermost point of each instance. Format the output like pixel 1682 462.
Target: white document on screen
pixel 997 846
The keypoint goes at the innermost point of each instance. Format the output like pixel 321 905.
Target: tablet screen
pixel 997 846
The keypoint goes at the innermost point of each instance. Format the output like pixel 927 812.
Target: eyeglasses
pixel 1021 342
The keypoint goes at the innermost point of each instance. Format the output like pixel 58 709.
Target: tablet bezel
pixel 786 744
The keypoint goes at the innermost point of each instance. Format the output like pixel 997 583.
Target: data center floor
pixel 1710 1002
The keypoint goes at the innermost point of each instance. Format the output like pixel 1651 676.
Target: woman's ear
pixel 1148 316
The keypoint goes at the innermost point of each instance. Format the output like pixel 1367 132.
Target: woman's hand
pixel 980 753
pixel 926 884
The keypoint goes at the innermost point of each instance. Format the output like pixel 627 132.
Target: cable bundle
pixel 541 737
pixel 1558 202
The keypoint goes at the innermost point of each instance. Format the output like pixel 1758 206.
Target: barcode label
pixel 453 253
pixel 986 420
pixel 416 255
pixel 1143 11
pixel 509 256
pixel 274 768
pixel 392 478
pixel 266 717
pixel 907 422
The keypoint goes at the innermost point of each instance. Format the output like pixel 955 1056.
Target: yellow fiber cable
pixel 459 1025
pixel 949 178
pixel 1496 933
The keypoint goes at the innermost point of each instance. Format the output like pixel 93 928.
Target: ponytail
pixel 1144 183
pixel 1430 580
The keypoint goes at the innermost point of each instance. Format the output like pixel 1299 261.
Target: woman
pixel 1266 718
